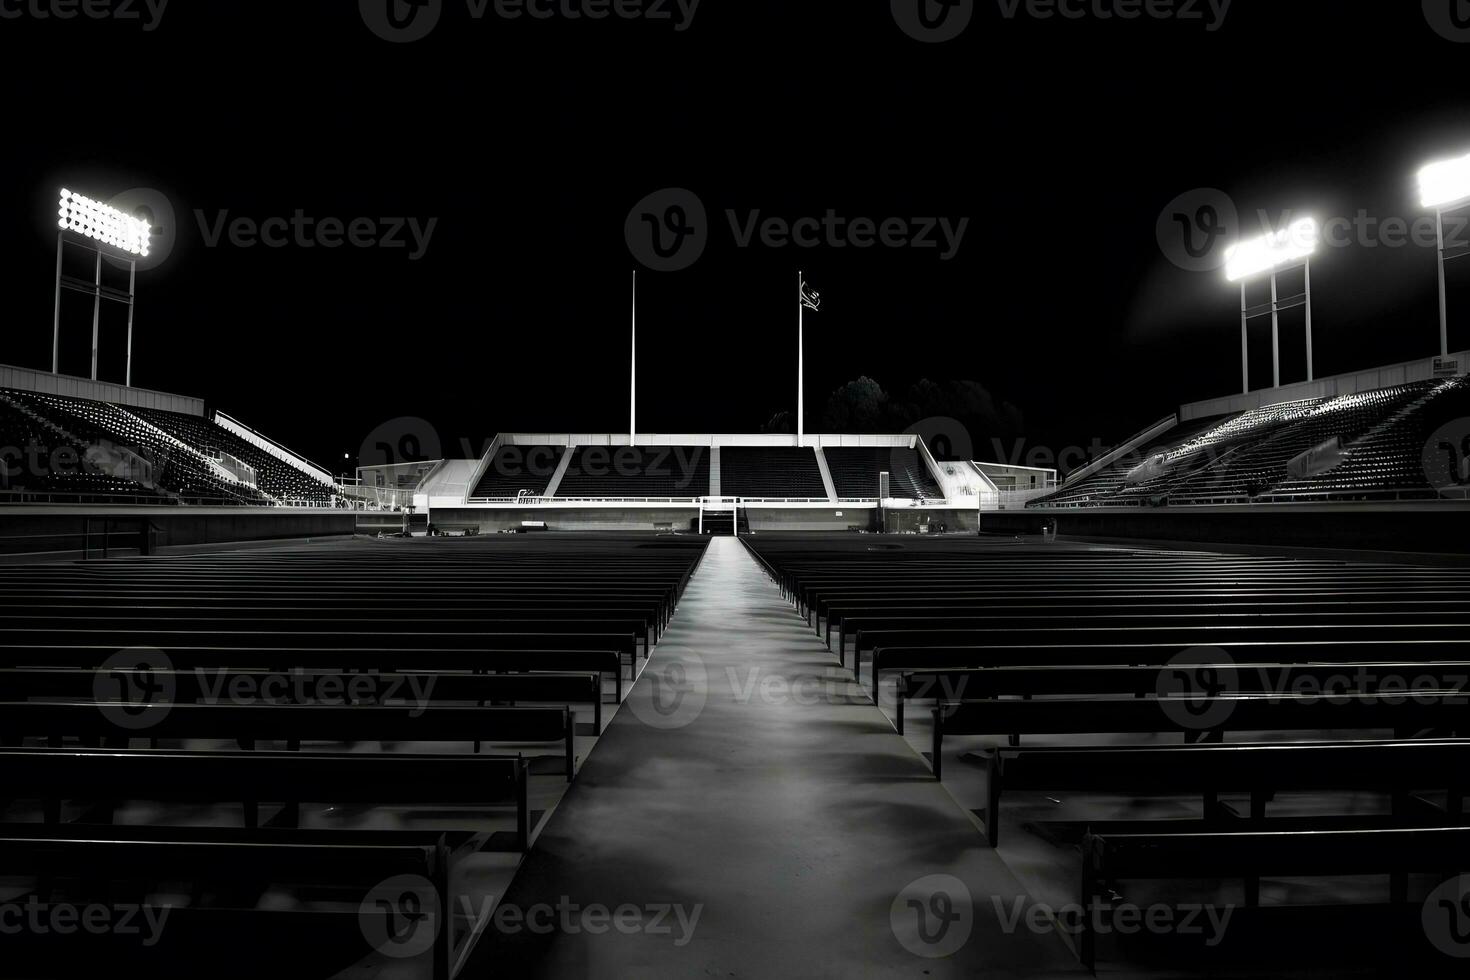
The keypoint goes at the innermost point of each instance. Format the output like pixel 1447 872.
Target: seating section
pixel 641 471
pixel 115 439
pixel 1382 436
pixel 1221 720
pixel 777 472
pixel 306 724
pixel 514 469
pixel 855 473
pixel 90 451
pixel 273 475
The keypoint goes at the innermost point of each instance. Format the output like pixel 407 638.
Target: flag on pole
pixel 810 299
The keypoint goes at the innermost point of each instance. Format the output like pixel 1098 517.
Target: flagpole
pixel 633 372
pixel 800 363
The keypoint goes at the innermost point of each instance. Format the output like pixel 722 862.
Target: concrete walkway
pixel 749 813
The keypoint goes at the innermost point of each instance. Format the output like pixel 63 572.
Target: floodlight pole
pixel 1245 352
pixel 132 305
pixel 1275 337
pixel 96 313
pixel 633 372
pixel 1444 314
pixel 800 361
pixel 56 317
pixel 1307 266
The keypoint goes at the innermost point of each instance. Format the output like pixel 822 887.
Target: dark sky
pixel 1061 141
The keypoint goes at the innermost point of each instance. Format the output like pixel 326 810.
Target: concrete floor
pixel 751 783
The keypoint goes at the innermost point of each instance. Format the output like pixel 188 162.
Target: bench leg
pixel 571 743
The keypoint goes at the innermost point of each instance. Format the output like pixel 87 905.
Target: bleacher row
pixel 1253 712
pixel 266 737
pixel 1385 435
pixel 99 452
pixel 683 472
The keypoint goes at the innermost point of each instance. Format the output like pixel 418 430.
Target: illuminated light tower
pixel 1273 253
pixel 106 231
pixel 1445 186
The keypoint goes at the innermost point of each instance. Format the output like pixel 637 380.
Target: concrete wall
pixel 29 379
pixel 571 518
pixel 33 530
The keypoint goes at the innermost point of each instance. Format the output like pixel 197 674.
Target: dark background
pixel 530 142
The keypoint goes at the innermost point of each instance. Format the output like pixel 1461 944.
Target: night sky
pixel 528 143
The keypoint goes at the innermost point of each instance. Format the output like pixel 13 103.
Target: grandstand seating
pixel 1245 457
pixel 855 473
pixel 274 476
pixel 1108 650
pixel 163 457
pixel 774 472
pixel 514 469
pixel 642 471
pixel 220 662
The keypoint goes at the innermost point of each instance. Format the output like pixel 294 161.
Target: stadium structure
pixel 743 705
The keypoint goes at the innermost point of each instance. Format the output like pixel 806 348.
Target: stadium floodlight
pixel 1445 186
pixel 1271 252
pixel 1445 183
pixel 1291 246
pixel 106 229
pixel 99 222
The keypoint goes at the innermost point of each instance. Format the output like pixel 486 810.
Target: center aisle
pixel 750 813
